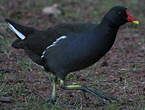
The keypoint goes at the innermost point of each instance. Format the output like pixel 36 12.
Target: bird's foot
pixel 99 93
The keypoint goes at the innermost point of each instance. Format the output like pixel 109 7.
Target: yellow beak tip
pixel 135 22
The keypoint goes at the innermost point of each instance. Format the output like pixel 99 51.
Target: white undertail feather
pixel 19 34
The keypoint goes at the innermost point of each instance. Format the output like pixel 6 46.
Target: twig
pixel 7 100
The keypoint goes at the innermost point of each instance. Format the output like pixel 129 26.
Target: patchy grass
pixel 120 72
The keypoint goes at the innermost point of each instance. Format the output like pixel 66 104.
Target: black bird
pixel 70 47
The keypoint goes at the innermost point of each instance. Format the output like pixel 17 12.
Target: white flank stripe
pixel 53 44
pixel 57 40
pixel 19 34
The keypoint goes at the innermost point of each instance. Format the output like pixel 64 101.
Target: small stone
pixel 52 10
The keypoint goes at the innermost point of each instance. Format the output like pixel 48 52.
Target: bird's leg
pixel 53 94
pixel 69 87
pixel 91 90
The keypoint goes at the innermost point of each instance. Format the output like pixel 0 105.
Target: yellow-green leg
pixel 53 95
pixel 91 90
pixel 69 87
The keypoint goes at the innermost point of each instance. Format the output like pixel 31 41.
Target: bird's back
pixel 39 41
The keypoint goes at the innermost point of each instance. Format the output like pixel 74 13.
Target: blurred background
pixel 25 86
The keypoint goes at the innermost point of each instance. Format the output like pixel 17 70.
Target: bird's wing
pixel 67 29
pixel 70 50
pixel 51 36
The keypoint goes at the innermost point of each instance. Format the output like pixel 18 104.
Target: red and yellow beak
pixel 131 18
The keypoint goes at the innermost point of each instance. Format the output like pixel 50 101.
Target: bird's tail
pixel 21 31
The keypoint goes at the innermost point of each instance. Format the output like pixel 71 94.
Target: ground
pixel 121 72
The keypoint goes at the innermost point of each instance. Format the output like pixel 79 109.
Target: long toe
pixel 100 94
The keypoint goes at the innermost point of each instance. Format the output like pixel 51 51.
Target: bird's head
pixel 119 15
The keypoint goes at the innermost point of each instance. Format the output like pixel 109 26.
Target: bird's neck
pixel 109 24
pixel 109 28
pixel 108 36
